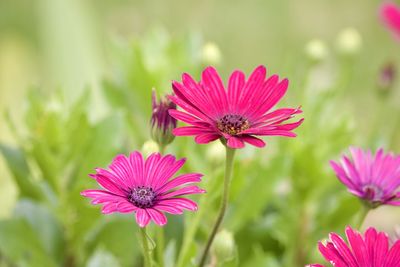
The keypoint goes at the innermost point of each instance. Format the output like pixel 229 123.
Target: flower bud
pixel 162 123
pixel 349 41
pixel 211 54
pixel 149 147
pixel 316 50
pixel 386 77
pixel 224 246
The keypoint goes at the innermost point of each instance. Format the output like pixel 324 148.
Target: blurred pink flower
pixel 373 178
pixel 237 114
pixel 144 186
pixel 390 14
pixel 369 250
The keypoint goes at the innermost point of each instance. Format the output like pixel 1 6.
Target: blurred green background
pixel 75 85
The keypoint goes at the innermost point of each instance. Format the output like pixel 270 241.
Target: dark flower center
pixel 373 193
pixel 233 124
pixel 142 197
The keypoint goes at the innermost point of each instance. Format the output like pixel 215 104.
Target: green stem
pixel 361 216
pixel 146 248
pixel 192 225
pixel 160 246
pixel 230 153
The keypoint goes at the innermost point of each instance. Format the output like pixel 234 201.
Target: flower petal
pixel 234 142
pixel 180 180
pixel 137 164
pixel 179 203
pixel 343 250
pixel 235 86
pixel 188 190
pixel 212 81
pixel 393 258
pixel 169 209
pixel 253 141
pixel 157 216
pixel 126 207
pixel 142 217
pixel 206 138
pixel 190 130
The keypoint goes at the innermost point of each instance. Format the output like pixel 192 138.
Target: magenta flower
pixel 162 123
pixel 390 14
pixel 375 179
pixel 370 250
pixel 235 115
pixel 133 184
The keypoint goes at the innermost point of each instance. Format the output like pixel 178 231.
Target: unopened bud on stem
pixel 162 123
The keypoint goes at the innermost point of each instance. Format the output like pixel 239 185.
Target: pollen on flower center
pixel 233 124
pixel 142 196
pixel 372 192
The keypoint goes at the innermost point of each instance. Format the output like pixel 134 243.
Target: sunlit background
pixel 75 86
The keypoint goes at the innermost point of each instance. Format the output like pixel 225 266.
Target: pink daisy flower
pixel 390 14
pixel 145 187
pixel 373 178
pixel 236 114
pixel 369 250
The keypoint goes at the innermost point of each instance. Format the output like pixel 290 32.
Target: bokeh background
pixel 75 86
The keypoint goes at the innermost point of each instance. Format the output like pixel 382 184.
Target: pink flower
pixel 370 250
pixel 144 186
pixel 375 179
pixel 235 115
pixel 390 14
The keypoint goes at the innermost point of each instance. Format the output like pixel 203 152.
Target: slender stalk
pixel 146 248
pixel 160 246
pixel 160 235
pixel 230 153
pixel 361 216
pixel 192 225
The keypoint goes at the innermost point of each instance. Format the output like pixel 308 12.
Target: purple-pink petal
pixel 142 217
pixel 188 190
pixel 181 180
pixel 179 203
pixel 206 138
pixel 157 216
pixel 257 142
pixel 235 142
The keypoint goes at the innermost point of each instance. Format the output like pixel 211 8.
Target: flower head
pixel 390 14
pixel 144 186
pixel 369 250
pixel 162 123
pixel 373 178
pixel 235 115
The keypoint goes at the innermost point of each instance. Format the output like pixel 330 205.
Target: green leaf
pixel 43 222
pixel 119 237
pixel 170 254
pixel 20 244
pixel 18 166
